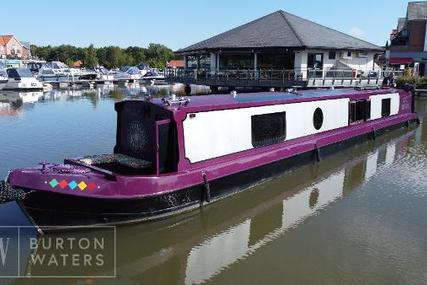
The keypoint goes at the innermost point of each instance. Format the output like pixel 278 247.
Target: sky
pixel 180 23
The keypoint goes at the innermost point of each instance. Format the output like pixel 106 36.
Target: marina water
pixel 357 217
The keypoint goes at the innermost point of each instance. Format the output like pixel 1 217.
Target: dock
pixel 87 82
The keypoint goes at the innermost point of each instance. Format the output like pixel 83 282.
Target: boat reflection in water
pixel 196 247
pixel 12 103
pixel 208 258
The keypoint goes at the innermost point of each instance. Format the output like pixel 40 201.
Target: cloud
pixel 356 31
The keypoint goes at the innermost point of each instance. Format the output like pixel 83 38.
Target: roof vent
pixel 175 101
pixel 292 90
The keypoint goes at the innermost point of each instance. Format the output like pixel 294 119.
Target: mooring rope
pixel 8 193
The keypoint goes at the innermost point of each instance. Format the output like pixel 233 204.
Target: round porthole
pixel 318 118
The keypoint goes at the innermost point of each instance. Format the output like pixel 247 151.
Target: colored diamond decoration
pixel 72 185
pixel 53 183
pixel 63 184
pixel 82 185
pixel 91 186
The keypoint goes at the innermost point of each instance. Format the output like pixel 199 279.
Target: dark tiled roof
pixel 417 10
pixel 282 29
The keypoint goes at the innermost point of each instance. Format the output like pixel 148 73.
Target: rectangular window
pixel 191 62
pixel 349 54
pixel 385 107
pixel 359 111
pixel 315 65
pixel 362 55
pixel 368 110
pixel 205 61
pixel 332 55
pixel 268 128
pixel 236 61
pixel 315 60
pixel 167 148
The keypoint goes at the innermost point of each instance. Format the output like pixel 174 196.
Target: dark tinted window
pixel 268 128
pixel 315 60
pixel 332 55
pixel 168 150
pixel 318 118
pixel 368 110
pixel 12 73
pixel 359 111
pixel 385 107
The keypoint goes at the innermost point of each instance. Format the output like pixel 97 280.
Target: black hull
pixel 61 211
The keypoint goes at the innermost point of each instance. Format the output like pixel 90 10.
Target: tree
pixel 69 62
pixel 112 57
pixel 137 54
pixel 90 60
pixel 156 55
pixel 101 54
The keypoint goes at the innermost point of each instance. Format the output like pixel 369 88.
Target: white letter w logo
pixel 3 250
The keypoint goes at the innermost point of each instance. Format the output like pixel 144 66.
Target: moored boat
pixel 55 71
pixel 104 74
pixel 21 79
pixel 174 155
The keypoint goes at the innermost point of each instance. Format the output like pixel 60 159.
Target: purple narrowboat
pixel 174 155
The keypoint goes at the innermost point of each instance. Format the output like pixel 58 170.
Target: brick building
pixel 408 41
pixel 11 47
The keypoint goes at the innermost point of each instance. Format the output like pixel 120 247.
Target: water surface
pixel 357 217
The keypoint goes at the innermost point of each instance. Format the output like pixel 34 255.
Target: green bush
pixel 416 81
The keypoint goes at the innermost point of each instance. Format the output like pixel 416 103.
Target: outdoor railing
pixel 275 77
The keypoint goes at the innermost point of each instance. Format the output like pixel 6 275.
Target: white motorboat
pixel 154 74
pixel 134 72
pixel 48 74
pixel 55 71
pixel 22 79
pixel 120 75
pixel 103 74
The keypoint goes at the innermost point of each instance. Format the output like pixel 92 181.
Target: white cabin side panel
pixel 299 117
pixel 216 133
pixel 376 104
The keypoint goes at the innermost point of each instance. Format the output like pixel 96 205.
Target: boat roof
pixel 21 71
pixel 227 101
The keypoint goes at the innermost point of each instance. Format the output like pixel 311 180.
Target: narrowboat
pixel 175 154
